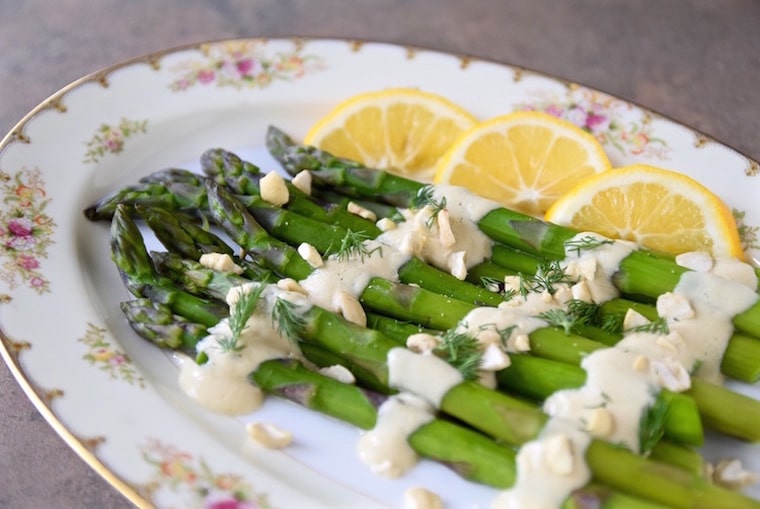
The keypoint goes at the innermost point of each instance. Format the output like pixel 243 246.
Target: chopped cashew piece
pixel 587 268
pixel 291 285
pixel 457 265
pixel 350 308
pixel 601 423
pixel 494 358
pixel 273 189
pixel 731 474
pixel 671 374
pixel 445 234
pixel 339 373
pixel 302 181
pixel 634 319
pixel 673 306
pixel 563 294
pixel 310 254
pixel 641 363
pixel 360 211
pixel 221 262
pixel 488 336
pixel 420 498
pixel 700 261
pixel 269 435
pixel 386 224
pixel 522 343
pixel 558 454
pixel 422 342
pixel 582 292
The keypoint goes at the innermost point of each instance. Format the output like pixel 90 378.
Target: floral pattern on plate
pixel 108 358
pixel 750 235
pixel 25 229
pixel 609 119
pixel 179 471
pixel 109 139
pixel 242 64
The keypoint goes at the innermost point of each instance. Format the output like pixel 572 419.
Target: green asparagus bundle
pixel 382 296
pixel 464 401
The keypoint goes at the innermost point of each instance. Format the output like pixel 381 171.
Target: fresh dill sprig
pixel 587 313
pixel 613 323
pixel 585 243
pixel 239 315
pixel 550 274
pixel 425 198
pixel 461 351
pixel 504 334
pixel 287 320
pixel 559 318
pixel 497 286
pixel 658 326
pixel 577 313
pixel 652 425
pixel 547 276
pixel 352 246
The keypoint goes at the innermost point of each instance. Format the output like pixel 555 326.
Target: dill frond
pixel 585 243
pixel 287 320
pixel 239 315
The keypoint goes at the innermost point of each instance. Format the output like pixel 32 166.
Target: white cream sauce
pixel 422 374
pixel 439 238
pixel 221 384
pixel 352 275
pixel 385 449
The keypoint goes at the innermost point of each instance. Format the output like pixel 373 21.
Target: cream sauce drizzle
pixel 385 449
pixel 221 384
pixel 422 374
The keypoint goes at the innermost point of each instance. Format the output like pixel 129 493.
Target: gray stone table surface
pixel 696 61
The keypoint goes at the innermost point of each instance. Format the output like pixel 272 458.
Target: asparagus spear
pixel 158 324
pixel 242 178
pixel 141 279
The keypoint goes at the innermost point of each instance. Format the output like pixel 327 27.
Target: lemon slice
pixel 660 209
pixel 402 130
pixel 524 160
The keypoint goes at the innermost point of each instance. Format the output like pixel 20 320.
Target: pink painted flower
pixel 20 227
pixel 117 359
pixel 206 76
pixel 577 116
pixel 245 66
pixel 25 243
pixel 113 142
pixel 597 122
pixel 27 262
pixel 554 109
pixel 37 282
pixel 182 84
pixel 227 501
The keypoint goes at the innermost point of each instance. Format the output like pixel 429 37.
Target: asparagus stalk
pixel 141 279
pixel 158 324
pixel 242 178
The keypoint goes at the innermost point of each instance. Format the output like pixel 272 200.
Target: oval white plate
pixel 113 396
